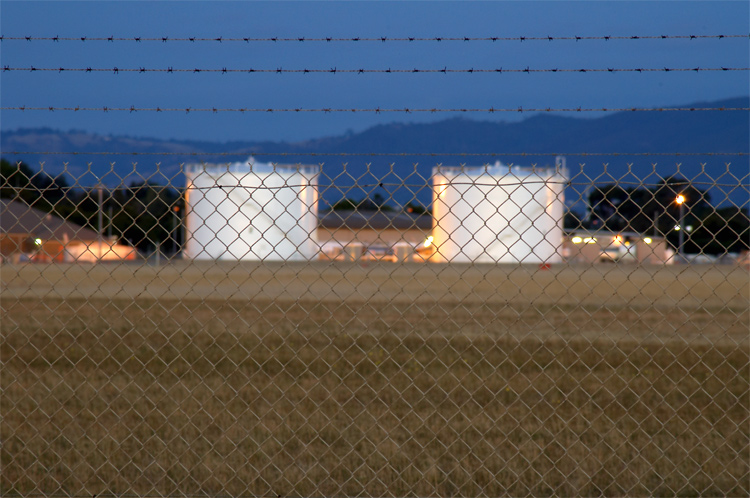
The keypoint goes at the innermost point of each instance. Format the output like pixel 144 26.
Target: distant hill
pixel 538 136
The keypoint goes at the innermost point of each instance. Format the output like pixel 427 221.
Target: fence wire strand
pixel 376 110
pixel 382 39
pixel 335 70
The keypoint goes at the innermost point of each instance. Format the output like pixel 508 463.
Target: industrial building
pixel 29 234
pixel 372 234
pixel 583 246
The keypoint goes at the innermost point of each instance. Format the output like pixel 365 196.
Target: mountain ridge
pixel 526 126
pixel 420 146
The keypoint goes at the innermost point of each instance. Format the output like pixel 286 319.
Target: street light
pixel 680 200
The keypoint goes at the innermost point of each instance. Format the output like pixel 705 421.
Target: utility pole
pixel 175 229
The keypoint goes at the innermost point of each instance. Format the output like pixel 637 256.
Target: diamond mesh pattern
pixel 347 330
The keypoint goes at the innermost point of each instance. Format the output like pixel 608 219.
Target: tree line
pixel 143 214
pixel 672 205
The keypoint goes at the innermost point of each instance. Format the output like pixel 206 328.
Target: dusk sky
pixel 356 19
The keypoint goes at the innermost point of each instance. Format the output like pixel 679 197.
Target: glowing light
pixel 618 239
pixel 647 240
pixel 589 240
pixel 680 199
pixel 677 228
pixel 428 241
pixel 38 242
pixel 576 240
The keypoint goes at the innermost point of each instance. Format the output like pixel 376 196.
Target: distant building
pixel 583 246
pixel 29 234
pixel 372 234
pixel 397 236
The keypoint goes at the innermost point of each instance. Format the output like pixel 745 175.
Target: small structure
pixel 582 246
pixel 498 214
pixel 372 234
pixel 29 234
pixel 251 211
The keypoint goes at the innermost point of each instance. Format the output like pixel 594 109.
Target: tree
pixel 647 210
pixel 725 230
pixel 149 216
pixel 19 182
pixel 15 181
pixel 415 208
pixel 345 205
pixel 377 203
pixel 606 211
pixel 571 221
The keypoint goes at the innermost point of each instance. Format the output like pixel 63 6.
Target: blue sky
pixel 363 19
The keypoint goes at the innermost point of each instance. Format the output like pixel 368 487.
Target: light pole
pixel 109 224
pixel 100 195
pixel 174 233
pixel 680 200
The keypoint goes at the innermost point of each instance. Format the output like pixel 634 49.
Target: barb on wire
pixel 375 110
pixel 381 39
pixel 444 70
pixel 372 154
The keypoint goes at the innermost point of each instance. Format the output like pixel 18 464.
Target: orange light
pixel 618 239
pixel 680 199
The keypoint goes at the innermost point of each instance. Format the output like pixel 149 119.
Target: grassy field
pixel 381 379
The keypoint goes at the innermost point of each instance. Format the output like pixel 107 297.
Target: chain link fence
pixel 340 329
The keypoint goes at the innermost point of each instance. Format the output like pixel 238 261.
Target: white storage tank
pixel 251 211
pixel 498 214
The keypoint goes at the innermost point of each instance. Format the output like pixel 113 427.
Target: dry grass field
pixel 378 379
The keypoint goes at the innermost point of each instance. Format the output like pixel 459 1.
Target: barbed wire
pixel 371 154
pixel 382 39
pixel 334 70
pixel 375 110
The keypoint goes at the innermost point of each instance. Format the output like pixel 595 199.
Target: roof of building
pixel 609 233
pixel 18 218
pixel 375 220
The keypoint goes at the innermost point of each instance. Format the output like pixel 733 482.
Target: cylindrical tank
pixel 251 211
pixel 498 214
